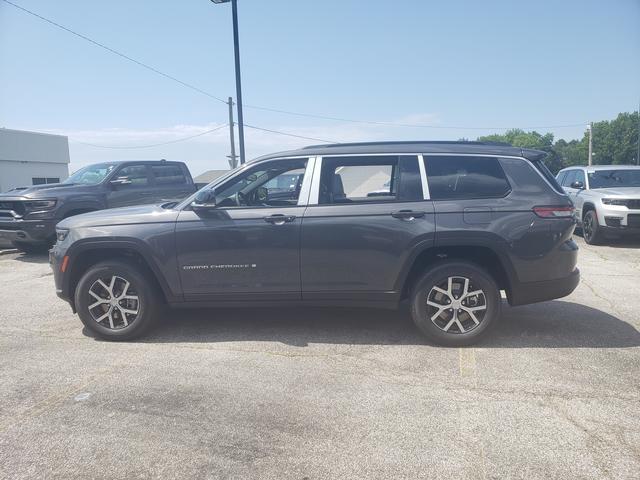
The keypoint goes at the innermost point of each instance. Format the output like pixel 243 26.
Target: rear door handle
pixel 279 219
pixel 408 215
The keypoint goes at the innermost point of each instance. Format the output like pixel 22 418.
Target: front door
pixel 248 247
pixel 371 212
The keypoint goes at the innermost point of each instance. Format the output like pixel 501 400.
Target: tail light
pixel 561 211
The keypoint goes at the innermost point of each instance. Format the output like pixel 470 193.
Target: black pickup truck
pixel 28 216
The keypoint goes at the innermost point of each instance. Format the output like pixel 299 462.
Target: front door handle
pixel 408 215
pixel 279 219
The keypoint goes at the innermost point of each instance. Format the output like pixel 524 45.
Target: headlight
pixel 614 201
pixel 38 205
pixel 61 234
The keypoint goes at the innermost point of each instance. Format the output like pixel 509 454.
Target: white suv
pixel 607 199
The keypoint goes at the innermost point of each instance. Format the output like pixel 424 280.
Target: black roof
pixel 483 148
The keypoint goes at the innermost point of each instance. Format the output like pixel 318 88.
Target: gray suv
pixel 607 200
pixel 441 226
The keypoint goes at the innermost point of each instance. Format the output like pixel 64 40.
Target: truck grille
pixel 633 220
pixel 7 206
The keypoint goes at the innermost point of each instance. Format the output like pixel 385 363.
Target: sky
pixel 458 68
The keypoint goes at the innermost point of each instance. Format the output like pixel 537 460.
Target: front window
pixel 91 175
pixel 272 184
pixel 614 178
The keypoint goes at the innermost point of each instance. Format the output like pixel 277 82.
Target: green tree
pixel 616 141
pixel 522 139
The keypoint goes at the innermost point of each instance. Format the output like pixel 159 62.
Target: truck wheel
pixel 591 231
pixel 116 301
pixel 34 248
pixel 455 303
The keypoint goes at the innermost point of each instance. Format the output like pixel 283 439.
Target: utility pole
pixel 233 162
pixel 638 155
pixel 590 162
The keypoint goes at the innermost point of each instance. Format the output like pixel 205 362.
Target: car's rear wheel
pixel 455 303
pixel 116 301
pixel 591 231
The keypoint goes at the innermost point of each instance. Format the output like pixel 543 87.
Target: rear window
pixel 546 173
pixel 465 177
pixel 168 175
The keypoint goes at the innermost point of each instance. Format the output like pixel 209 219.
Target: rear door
pixel 171 182
pixel 366 214
pixel 136 187
pixel 469 195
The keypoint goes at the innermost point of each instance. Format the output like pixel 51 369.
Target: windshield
pixel 91 175
pixel 614 178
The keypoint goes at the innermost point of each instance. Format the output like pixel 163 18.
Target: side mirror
pixel 204 201
pixel 577 184
pixel 120 181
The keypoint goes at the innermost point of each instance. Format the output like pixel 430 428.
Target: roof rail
pixel 414 142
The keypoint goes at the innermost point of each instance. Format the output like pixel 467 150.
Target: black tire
pixel 129 327
pixel 34 248
pixel 464 331
pixel 591 231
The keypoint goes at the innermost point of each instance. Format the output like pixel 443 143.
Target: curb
pixel 8 251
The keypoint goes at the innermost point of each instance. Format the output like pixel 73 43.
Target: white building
pixel 31 158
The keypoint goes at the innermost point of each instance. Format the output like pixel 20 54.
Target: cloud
pixel 210 150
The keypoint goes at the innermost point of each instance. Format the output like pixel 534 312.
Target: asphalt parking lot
pixel 553 392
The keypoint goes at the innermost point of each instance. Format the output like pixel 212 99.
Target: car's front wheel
pixel 116 301
pixel 591 231
pixel 455 303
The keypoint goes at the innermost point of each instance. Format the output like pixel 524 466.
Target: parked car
pixel 607 200
pixel 460 222
pixel 28 215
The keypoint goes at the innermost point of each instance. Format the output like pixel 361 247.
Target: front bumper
pixel 618 220
pixel 31 231
pixel 524 293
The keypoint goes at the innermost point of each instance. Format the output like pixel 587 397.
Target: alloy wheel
pixel 587 227
pixel 456 306
pixel 115 302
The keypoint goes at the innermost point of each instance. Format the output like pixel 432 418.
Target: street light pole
pixel 236 49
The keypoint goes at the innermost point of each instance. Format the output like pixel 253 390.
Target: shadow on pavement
pixel 32 257
pixel 556 324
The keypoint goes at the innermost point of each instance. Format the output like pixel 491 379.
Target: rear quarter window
pixel 465 177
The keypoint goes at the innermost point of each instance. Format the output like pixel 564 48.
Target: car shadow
pixel 622 242
pixel 32 257
pixel 556 324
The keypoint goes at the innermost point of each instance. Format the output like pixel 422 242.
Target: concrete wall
pixel 25 155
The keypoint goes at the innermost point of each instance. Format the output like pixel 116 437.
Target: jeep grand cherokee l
pixel 444 226
pixel 607 200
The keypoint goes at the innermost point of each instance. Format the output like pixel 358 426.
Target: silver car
pixel 607 200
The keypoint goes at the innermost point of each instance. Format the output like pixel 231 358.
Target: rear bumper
pixel 533 292
pixel 31 231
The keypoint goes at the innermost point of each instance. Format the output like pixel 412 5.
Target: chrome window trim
pixel 305 189
pixel 422 158
pixel 423 177
pixel 314 191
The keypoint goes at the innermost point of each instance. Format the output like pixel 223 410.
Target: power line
pixel 120 54
pixel 394 124
pixel 126 147
pixel 290 134
pixel 276 110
